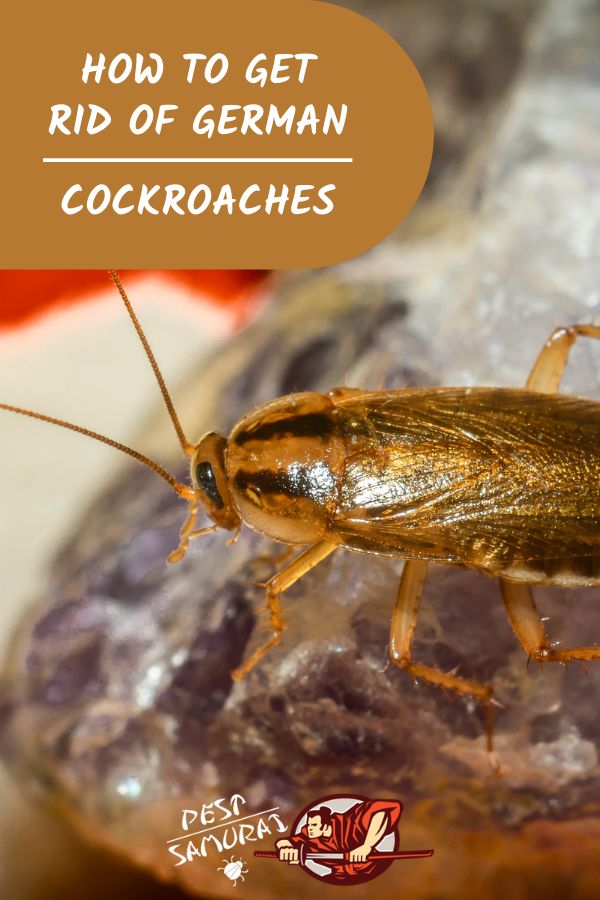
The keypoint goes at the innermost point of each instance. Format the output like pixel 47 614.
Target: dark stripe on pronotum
pixel 309 425
pixel 269 483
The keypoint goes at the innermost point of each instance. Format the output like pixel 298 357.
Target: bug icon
pixel 234 870
pixel 502 481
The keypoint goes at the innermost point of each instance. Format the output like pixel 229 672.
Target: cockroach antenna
pixel 187 447
pixel 368 471
pixel 181 489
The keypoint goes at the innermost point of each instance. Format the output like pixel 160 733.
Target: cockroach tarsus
pixel 504 481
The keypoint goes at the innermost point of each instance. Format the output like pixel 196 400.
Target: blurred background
pixel 67 348
pixel 501 248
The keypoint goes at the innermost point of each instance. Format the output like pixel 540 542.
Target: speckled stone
pixel 117 702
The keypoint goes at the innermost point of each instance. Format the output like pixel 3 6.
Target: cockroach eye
pixel 205 478
pixel 399 492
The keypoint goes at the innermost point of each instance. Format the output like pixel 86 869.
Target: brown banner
pixel 233 135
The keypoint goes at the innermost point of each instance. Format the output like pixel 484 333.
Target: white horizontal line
pixel 197 159
pixel 224 823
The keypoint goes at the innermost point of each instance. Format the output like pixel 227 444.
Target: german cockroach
pixel 504 481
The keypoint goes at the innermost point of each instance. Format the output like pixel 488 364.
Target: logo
pixel 344 840
pixel 218 828
pixel 234 869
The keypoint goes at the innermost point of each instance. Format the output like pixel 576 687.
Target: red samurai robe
pixel 348 831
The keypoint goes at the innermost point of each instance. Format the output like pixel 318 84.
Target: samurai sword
pixel 404 854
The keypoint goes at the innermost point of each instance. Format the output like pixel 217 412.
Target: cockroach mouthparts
pixel 504 481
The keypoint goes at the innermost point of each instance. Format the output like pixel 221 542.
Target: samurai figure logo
pixel 344 840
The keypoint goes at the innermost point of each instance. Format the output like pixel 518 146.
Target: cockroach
pixel 234 870
pixel 504 481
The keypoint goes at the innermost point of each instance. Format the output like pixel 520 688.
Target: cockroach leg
pixel 404 620
pixel 548 368
pixel 188 532
pixel 184 532
pixel 527 625
pixel 275 587
pixel 524 618
pixel 234 537
pixel 406 610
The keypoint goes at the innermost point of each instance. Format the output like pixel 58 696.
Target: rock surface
pixel 117 702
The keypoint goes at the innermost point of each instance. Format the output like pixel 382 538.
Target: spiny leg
pixel 275 587
pixel 548 368
pixel 527 625
pixel 404 620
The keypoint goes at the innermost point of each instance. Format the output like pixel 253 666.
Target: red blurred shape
pixel 27 293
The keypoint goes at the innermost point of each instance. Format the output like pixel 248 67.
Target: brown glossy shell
pixel 502 480
pixel 285 466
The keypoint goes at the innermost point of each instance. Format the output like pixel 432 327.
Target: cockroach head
pixel 210 481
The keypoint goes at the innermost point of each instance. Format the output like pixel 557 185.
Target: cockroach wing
pixel 502 480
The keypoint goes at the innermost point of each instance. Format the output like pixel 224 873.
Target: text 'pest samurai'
pixel 505 481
